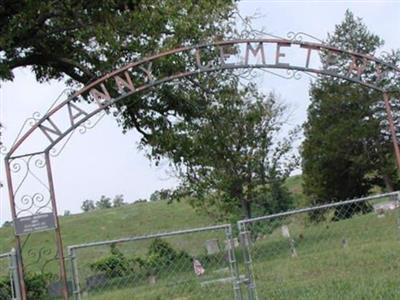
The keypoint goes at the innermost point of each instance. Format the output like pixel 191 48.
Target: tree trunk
pixel 388 183
pixel 246 208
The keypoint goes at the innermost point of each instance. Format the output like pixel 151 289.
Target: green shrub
pixel 5 288
pixel 161 256
pixel 114 265
pixel 36 285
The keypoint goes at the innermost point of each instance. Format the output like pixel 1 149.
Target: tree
pixel 67 213
pixel 138 201
pixel 103 203
pixel 83 40
pixel 163 194
pixel 155 196
pixel 346 150
pixel 88 205
pixel 7 224
pixel 232 162
pixel 118 201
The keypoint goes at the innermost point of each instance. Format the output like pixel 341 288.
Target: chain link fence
pixel 187 264
pixel 343 250
pixel 9 288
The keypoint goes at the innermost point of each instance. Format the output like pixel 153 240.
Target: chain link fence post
pixel 233 264
pixel 245 243
pixel 397 201
pixel 76 292
pixel 15 289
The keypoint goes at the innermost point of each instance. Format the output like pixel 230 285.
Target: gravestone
pixel 285 231
pixel 212 246
pixel 152 279
pixel 382 208
pixel 286 234
pixel 95 281
pixel 55 289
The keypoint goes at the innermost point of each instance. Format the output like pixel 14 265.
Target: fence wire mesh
pixel 345 250
pixel 188 264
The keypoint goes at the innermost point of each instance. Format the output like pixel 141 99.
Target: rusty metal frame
pixel 99 92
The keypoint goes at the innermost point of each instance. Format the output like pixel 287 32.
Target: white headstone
pixel 285 231
pixel 212 246
pixel 152 279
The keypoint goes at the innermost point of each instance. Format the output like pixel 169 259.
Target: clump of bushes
pixel 5 288
pixel 114 265
pixel 160 256
pixel 36 285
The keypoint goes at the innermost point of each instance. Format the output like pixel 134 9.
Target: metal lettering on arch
pixel 274 54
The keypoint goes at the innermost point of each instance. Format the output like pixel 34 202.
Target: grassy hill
pixel 129 220
pixel 294 184
pixel 354 258
pixel 114 223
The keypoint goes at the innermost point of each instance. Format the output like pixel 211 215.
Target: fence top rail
pixel 148 236
pixel 312 208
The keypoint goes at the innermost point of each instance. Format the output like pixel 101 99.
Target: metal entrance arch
pixel 37 211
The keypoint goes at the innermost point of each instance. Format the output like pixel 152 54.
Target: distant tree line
pixel 162 195
pixel 103 203
pixel 106 202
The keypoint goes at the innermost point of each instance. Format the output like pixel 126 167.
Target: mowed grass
pixel 192 292
pixel 170 288
pixel 356 258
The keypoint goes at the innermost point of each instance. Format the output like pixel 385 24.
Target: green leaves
pixel 232 161
pixel 85 39
pixel 345 152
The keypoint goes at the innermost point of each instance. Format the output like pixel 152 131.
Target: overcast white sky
pixel 106 162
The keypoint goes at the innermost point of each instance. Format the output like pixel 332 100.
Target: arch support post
pixel 60 250
pixel 18 251
pixel 392 129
